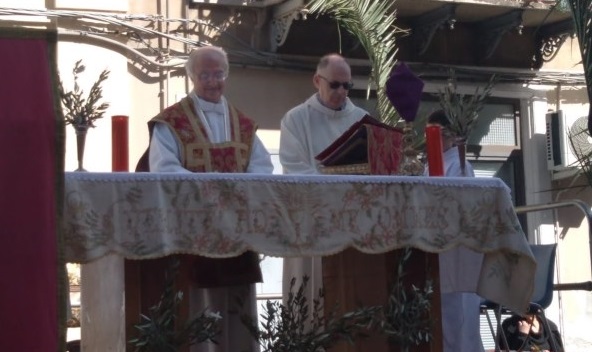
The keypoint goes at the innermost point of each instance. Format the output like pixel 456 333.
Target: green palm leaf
pixel 581 11
pixel 461 109
pixel 372 22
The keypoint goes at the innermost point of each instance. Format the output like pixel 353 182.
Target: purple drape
pixel 29 159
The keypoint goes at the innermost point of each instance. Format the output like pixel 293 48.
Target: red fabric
pixel 384 150
pixel 224 159
pixel 28 263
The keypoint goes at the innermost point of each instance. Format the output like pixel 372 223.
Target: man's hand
pixel 524 326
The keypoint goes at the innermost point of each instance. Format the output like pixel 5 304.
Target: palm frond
pixel 581 11
pixel 463 110
pixel 372 22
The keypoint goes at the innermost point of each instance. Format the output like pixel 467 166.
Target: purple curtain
pixel 31 155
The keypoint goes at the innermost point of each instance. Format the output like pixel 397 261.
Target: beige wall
pixel 266 94
pixel 568 57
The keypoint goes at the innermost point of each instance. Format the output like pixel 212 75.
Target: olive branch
pixel 461 109
pixel 80 111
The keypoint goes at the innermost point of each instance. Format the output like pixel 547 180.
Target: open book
pixel 363 141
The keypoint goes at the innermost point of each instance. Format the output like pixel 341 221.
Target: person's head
pixel 333 80
pixel 207 68
pixel 439 118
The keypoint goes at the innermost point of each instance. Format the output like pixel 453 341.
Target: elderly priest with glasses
pixel 205 133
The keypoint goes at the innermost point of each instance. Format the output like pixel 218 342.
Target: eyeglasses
pixel 217 76
pixel 336 84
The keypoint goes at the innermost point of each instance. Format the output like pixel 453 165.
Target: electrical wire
pixel 122 25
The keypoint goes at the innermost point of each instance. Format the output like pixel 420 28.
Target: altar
pixel 152 215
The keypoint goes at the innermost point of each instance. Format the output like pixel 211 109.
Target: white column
pixel 102 305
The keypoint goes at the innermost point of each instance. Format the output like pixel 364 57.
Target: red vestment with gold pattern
pixel 199 154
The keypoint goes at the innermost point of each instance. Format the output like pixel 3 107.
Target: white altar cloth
pixel 150 215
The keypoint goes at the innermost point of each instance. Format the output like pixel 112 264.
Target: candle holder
pixel 410 165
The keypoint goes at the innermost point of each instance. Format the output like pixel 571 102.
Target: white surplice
pixel 459 267
pixel 306 130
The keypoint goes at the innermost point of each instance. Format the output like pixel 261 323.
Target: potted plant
pixel 81 112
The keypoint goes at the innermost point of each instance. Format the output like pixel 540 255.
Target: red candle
pixel 119 143
pixel 434 150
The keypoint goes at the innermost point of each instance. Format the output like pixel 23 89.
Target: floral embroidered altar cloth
pixel 150 215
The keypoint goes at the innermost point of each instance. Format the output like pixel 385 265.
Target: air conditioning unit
pixel 556 137
pixel 560 154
